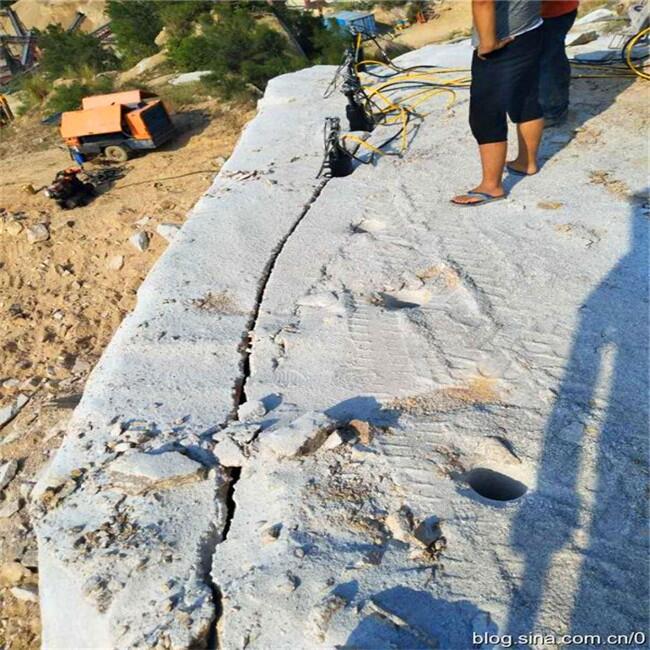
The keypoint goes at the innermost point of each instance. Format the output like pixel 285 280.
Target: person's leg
pixel 555 69
pixel 487 118
pixel 524 108
pixel 529 136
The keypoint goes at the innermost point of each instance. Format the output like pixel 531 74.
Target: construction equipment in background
pixel 6 114
pixel 18 50
pixel 117 125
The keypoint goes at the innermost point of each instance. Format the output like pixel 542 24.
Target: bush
pixel 241 50
pixel 135 23
pixel 68 97
pixel 236 48
pixel 179 18
pixel 68 52
pixel 33 88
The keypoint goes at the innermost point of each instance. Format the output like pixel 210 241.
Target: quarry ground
pixel 408 423
pixel 508 338
pixel 62 299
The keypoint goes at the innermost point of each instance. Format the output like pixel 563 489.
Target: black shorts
pixel 505 82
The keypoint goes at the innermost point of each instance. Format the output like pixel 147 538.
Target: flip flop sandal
pixel 516 172
pixel 485 198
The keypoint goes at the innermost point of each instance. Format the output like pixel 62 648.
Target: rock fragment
pixel 9 508
pixel 12 573
pixel 115 263
pixel 333 441
pixel 14 228
pixel 251 410
pixel 168 231
pixel 38 233
pixel 7 472
pixel 302 436
pixel 229 453
pixel 138 472
pixel 400 524
pixel 362 429
pixel 140 240
pixel 28 593
pixel 8 413
pixel 584 38
pixel 271 533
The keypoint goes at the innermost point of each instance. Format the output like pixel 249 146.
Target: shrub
pixel 68 97
pixel 34 88
pixel 241 50
pixel 135 23
pixel 68 52
pixel 179 17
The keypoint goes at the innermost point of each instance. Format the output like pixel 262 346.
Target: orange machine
pixel 117 124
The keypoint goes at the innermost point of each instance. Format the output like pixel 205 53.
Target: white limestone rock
pixel 228 453
pixel 302 436
pixel 140 240
pixel 138 471
pixel 9 412
pixel 7 472
pixel 38 233
pixel 251 410
pixel 168 231
pixel 27 593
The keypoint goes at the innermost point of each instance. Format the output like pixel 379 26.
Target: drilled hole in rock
pixel 494 485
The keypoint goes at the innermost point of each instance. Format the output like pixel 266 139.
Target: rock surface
pixel 506 444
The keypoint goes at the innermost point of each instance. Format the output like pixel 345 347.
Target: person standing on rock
pixel 507 39
pixel 555 71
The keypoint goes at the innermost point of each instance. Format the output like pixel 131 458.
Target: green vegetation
pixel 136 24
pixel 246 45
pixel 65 53
pixel 68 97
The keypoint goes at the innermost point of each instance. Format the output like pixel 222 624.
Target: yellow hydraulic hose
pixel 628 53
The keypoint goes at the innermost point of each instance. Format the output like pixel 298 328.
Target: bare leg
pixel 529 135
pixel 493 160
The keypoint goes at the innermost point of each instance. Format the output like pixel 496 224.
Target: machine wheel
pixel 116 153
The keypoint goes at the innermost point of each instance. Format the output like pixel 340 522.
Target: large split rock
pixel 130 509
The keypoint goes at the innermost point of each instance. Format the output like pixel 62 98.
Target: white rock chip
pixel 115 263
pixel 138 471
pixel 9 412
pixel 228 453
pixel 168 230
pixel 9 509
pixel 140 240
pixel 251 410
pixel 595 16
pixel 7 472
pixel 333 441
pixel 27 593
pixel 37 233
pixel 303 436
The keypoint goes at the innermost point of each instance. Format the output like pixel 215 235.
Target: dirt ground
pixel 452 19
pixel 61 299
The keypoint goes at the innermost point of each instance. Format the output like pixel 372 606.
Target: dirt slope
pixel 61 299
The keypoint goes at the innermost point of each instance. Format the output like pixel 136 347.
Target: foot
pixel 522 167
pixel 466 199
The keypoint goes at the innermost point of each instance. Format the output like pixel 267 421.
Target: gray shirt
pixel 514 17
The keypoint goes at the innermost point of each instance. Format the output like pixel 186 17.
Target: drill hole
pixel 494 485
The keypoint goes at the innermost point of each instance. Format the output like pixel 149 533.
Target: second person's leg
pixel 529 136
